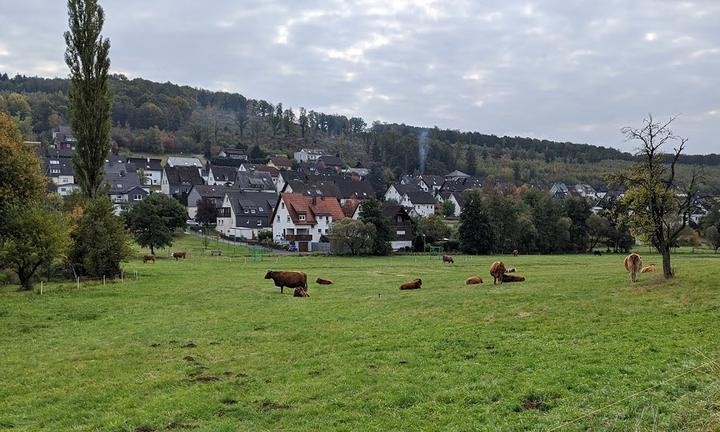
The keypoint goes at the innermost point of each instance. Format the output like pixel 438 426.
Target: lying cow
pixel 411 285
pixel 448 259
pixel 497 270
pixel 473 280
pixel 649 269
pixel 322 281
pixel 147 258
pixel 511 270
pixel 633 264
pixel 288 279
pixel 512 278
pixel 178 255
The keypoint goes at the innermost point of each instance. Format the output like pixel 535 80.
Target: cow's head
pixel 269 274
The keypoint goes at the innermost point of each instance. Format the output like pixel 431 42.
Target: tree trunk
pixel 667 269
pixel 152 249
pixel 25 279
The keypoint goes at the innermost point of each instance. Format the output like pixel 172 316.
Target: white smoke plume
pixel 423 149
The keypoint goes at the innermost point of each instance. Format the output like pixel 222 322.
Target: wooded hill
pixel 158 118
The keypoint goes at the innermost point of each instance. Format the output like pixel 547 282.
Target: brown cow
pixel 147 258
pixel 649 269
pixel 633 264
pixel 513 278
pixel 448 259
pixel 516 252
pixel 497 270
pixel 473 280
pixel 178 255
pixel 511 270
pixel 300 292
pixel 288 279
pixel 322 281
pixel 411 285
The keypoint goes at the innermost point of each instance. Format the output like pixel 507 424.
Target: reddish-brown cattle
pixel 512 278
pixel 147 258
pixel 411 285
pixel 178 255
pixel 649 269
pixel 288 279
pixel 448 259
pixel 497 270
pixel 300 292
pixel 473 280
pixel 322 281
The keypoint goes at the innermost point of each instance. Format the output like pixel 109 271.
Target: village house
pixel 178 180
pixel 213 193
pixel 396 191
pixel 457 198
pixel 245 214
pixel 174 161
pixel 308 155
pixel 280 162
pixel 431 183
pixel 254 181
pixel 402 225
pixel 221 175
pixel 126 189
pixel 302 220
pixel 151 169
pixel 418 203
pixel 233 154
pixel 63 138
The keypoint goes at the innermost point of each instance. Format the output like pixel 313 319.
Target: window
pixel 252 211
pixel 301 216
pixel 401 233
pixel 259 223
pixel 282 205
pixel 54 162
pixel 319 231
pixel 278 218
pixel 118 186
pixel 288 218
pixel 137 197
pixel 55 171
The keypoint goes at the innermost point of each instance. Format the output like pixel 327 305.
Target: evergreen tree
pixel 371 212
pixel 471 161
pixel 475 233
pixel 89 99
pixel 100 241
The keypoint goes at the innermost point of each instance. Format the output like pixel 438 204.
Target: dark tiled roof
pixel 256 180
pixel 147 164
pixel 420 197
pixel 252 207
pixel 122 183
pixel 224 174
pixel 183 175
pixel 406 188
pixel 351 188
pixel 331 161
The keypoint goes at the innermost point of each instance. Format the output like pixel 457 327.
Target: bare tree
pixel 660 207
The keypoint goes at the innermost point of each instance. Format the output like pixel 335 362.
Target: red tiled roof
pixel 265 168
pixel 311 207
pixel 350 207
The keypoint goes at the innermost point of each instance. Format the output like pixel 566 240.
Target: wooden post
pixel 103 280
pixel 78 282
pixel 122 276
pixel 41 287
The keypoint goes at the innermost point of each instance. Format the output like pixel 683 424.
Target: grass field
pixel 208 344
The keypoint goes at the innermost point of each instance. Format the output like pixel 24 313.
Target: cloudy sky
pixel 575 70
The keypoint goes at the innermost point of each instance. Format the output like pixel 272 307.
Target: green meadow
pixel 207 344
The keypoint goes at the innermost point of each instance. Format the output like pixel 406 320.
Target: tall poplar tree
pixel 89 98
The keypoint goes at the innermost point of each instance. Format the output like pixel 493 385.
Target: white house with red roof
pixel 301 220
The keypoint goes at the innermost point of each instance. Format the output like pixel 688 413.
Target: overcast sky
pixel 567 70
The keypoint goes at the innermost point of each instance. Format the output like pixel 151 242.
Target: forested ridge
pixel 158 118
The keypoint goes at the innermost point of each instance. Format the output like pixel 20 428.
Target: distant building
pixel 126 189
pixel 151 169
pixel 396 191
pixel 178 180
pixel 63 138
pixel 281 163
pixel 457 198
pixel 456 175
pixel 419 203
pixel 213 193
pixel 308 155
pixel 430 183
pixel 222 175
pixel 233 154
pixel 255 181
pixel 402 224
pixel 174 161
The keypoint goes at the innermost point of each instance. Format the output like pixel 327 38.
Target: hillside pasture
pixel 208 344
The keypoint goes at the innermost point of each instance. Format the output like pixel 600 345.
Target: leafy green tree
pixel 433 228
pixel 448 208
pixel 471 161
pixel 659 208
pixel 503 213
pixel 100 241
pixel 578 211
pixel 546 213
pixel 18 106
pixel 353 237
pixel 206 212
pixel 153 220
pixel 598 228
pixel 89 100
pixel 371 213
pixel 39 238
pixel 475 232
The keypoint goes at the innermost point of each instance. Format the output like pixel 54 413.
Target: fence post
pixel 78 282
pixel 41 287
pixel 122 276
pixel 103 280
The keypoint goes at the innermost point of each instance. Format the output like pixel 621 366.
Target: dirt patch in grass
pixel 189 358
pixel 469 356
pixel 268 405
pixel 144 429
pixel 154 345
pixel 206 378
pixel 229 401
pixel 189 345
pixel 178 425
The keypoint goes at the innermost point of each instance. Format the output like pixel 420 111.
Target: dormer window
pixel 301 216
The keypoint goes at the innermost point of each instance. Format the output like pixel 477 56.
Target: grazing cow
pixel 448 259
pixel 178 255
pixel 513 278
pixel 511 270
pixel 147 258
pixel 411 285
pixel 288 279
pixel 497 270
pixel 516 252
pixel 322 281
pixel 649 269
pixel 300 292
pixel 473 280
pixel 597 253
pixel 633 264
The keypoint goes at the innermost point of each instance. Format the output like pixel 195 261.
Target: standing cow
pixel 633 264
pixel 288 279
pixel 178 255
pixel 448 259
pixel 497 270
pixel 147 258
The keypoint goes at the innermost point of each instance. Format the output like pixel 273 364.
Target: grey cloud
pixel 566 70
